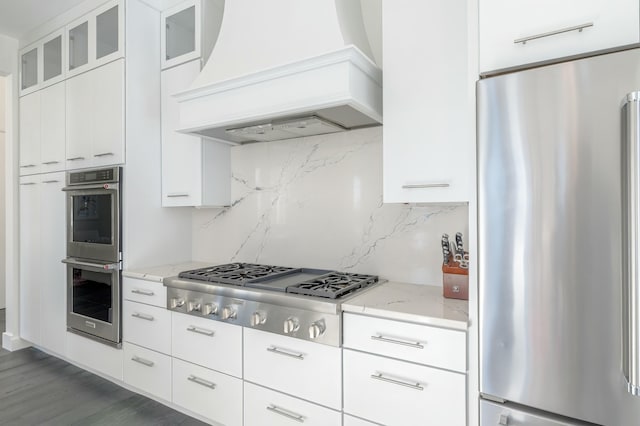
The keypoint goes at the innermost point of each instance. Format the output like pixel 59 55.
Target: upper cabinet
pixel 189 31
pixel 96 38
pixel 429 103
pixel 524 32
pixel 41 63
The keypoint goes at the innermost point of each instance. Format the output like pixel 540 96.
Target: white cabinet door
pixel 52 125
pixel 79 121
pixel 265 407
pixel 428 132
pixel 52 240
pixel 147 326
pixel 308 370
pixel 148 292
pixel 53 58
pixel 108 113
pixel 503 22
pixel 30 133
pixel 147 370
pixel 195 172
pixel 181 33
pixel 398 393
pixel 214 395
pixel 30 258
pixel 30 69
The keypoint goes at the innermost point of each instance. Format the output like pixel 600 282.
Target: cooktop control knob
pixel 228 312
pixel 193 306
pixel 175 302
pixel 291 325
pixel 209 309
pixel 258 318
pixel 316 329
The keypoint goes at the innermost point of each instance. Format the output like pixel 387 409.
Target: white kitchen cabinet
pixel 30 133
pixel 265 407
pixel 42 130
pixel 189 31
pixel 211 344
pixel 30 69
pixel 147 370
pixel 42 275
pixel 95 39
pixel 142 291
pixel 524 32
pixel 41 63
pixel 95 117
pixel 147 326
pixel 305 369
pixel 195 171
pixel 429 130
pixel 211 394
pixel 399 393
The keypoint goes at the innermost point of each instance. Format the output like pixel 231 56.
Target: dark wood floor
pixel 39 389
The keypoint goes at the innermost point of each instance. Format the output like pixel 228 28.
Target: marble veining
pixel 317 202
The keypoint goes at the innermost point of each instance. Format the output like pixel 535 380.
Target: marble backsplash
pixel 317 202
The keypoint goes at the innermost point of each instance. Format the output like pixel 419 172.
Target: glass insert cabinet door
pixel 29 69
pixel 52 58
pixel 79 45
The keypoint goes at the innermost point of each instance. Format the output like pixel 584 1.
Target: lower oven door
pixel 93 300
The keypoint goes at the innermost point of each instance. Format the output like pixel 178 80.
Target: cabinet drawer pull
pixel 143 292
pixel 381 338
pixel 27 183
pixel 379 376
pixel 26 166
pixel 48 163
pixel 201 382
pixel 177 195
pixel 104 154
pixel 280 351
pixel 286 413
pixel 578 28
pixel 50 181
pixel 75 158
pixel 142 361
pixel 204 331
pixel 142 316
pixel 426 185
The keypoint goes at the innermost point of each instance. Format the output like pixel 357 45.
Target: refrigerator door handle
pixel 631 240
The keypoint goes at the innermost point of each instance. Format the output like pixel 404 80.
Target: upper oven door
pixel 93 222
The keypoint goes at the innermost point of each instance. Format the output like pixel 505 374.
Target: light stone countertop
pixel 422 304
pixel 159 273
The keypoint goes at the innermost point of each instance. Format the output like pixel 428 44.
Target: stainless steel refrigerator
pixel 559 223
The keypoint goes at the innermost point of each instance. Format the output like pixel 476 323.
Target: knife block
pixel 455 281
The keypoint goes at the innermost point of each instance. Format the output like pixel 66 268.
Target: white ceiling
pixel 19 16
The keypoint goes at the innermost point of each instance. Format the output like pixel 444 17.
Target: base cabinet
pixel 147 370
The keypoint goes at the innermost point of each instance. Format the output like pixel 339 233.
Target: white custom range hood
pixel 282 69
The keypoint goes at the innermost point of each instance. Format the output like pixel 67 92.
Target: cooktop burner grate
pixel 233 273
pixel 333 285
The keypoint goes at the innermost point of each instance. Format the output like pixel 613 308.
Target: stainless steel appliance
pixel 298 302
pixel 93 214
pixel 558 223
pixel 94 254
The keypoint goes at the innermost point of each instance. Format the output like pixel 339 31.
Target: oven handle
pixel 106 186
pixel 104 266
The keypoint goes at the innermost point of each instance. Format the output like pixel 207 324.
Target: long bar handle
pixel 279 351
pixel 177 195
pixel 631 242
pixel 194 329
pixel 142 316
pixel 201 382
pixel 142 361
pixel 143 292
pixel 75 158
pixel 104 154
pixel 426 185
pixel 379 376
pixel 48 163
pixel 578 28
pixel 286 413
pixel 381 338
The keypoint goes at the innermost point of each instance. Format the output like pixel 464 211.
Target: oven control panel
pixel 84 177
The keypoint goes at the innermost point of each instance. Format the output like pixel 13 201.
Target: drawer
pixel 149 292
pixel 308 370
pixel 147 370
pixel 422 344
pixel 214 395
pixel 211 344
pixel 265 407
pixel 399 393
pixel 147 326
pixel 354 421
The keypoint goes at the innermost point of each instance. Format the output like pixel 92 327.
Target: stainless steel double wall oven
pixel 94 253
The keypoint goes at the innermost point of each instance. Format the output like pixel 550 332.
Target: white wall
pixel 3 100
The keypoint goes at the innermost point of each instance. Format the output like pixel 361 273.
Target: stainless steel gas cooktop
pixel 302 303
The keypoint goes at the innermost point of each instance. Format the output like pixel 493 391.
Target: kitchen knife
pixel 445 249
pixel 459 245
